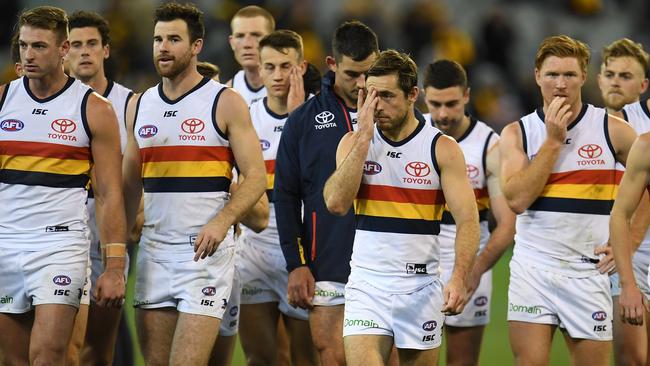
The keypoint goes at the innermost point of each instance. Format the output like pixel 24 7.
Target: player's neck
pixel 614 112
pixel 458 132
pixel 277 105
pixel 48 84
pixel 98 82
pixel 253 78
pixel 181 83
pixel 404 131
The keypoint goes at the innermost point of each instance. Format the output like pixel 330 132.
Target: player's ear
pixel 197 46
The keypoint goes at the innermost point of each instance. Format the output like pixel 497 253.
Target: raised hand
pixel 366 107
pixel 557 118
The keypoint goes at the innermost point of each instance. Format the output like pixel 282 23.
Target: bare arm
pixel 109 201
pixel 257 218
pixel 504 232
pixel 342 186
pixel 132 167
pixel 640 221
pixel 107 183
pixel 522 181
pixel 622 136
pixel 460 199
pixel 630 191
pixel 233 118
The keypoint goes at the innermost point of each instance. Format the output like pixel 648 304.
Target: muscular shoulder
pixel 511 135
pixel 98 104
pixel 643 142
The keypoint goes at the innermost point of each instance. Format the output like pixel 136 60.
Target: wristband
pixel 114 250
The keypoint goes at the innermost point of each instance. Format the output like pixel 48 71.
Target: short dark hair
pixel 282 39
pixel 48 18
pixel 82 18
pixel 393 62
pixel 207 69
pixel 253 11
pixel 444 74
pixel 188 12
pixel 354 40
pixel 14 49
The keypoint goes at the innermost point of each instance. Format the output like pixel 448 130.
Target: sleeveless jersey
pixel 250 94
pixel 639 117
pixel 268 126
pixel 45 166
pixel 474 143
pixel 398 210
pixel 119 96
pixel 186 167
pixel 561 229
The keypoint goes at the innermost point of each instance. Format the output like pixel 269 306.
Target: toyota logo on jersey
pixel 590 151
pixel 417 169
pixel 63 125
pixel 192 125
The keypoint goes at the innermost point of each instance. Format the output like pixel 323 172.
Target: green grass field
pixel 495 351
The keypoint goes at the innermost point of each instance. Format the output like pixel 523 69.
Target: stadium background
pixel 495 40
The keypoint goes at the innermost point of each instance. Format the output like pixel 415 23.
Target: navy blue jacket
pixel 305 160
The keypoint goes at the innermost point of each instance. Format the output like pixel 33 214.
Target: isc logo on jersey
pixel 191 128
pixel 11 125
pixel 590 154
pixel 62 130
pixel 418 172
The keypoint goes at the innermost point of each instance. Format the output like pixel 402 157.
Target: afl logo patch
pixel 265 145
pixel 147 131
pixel 11 125
pixel 62 280
pixel 472 171
pixel 192 125
pixel 599 316
pixel 430 326
pixel 324 117
pixel 63 125
pixel 209 291
pixel 481 301
pixel 371 168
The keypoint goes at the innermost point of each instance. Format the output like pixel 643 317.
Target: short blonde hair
pixel 625 47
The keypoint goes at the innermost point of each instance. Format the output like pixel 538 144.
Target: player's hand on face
pixel 366 106
pixel 209 238
pixel 632 305
pixel 110 288
pixel 454 296
pixel 301 288
pixel 606 264
pixel 557 118
pixel 296 89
